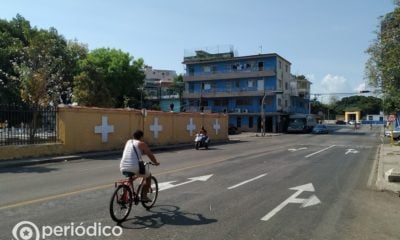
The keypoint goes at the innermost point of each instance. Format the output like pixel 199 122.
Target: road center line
pixel 312 154
pixel 247 181
pixel 99 187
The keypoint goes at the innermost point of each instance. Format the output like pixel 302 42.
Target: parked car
pixel 232 129
pixel 396 133
pixel 320 128
pixel 340 122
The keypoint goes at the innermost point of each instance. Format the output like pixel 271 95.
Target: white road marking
pixel 351 151
pixel 247 181
pixel 295 150
pixel 312 154
pixel 169 185
pixel 305 202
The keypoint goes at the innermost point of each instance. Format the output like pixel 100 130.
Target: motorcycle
pixel 201 140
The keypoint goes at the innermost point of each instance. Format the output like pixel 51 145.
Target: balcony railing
pixel 230 74
pixel 231 92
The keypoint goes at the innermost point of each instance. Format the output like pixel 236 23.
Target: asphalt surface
pixel 297 186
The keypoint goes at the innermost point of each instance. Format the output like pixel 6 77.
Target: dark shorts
pixel 128 174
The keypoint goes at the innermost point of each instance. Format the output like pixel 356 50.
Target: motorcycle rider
pixel 205 136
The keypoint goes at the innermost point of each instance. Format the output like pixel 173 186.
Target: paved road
pixel 297 186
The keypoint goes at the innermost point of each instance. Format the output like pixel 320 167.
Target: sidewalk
pixel 388 175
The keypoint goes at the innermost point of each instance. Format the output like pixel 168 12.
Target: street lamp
pixel 141 89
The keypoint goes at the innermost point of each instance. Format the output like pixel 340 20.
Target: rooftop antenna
pixel 260 49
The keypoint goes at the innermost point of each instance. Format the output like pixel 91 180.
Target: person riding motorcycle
pixel 202 139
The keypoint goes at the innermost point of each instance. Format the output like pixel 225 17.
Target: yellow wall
pixel 357 114
pixel 76 129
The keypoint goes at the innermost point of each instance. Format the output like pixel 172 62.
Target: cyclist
pixel 129 166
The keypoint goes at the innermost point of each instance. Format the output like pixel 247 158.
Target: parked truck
pixel 301 123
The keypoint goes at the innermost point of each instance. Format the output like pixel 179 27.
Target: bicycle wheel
pixel 152 194
pixel 121 203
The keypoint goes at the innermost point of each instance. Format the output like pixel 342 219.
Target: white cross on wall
pixel 216 126
pixel 155 128
pixel 104 129
pixel 190 127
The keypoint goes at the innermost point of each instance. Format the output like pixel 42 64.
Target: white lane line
pixel 312 154
pixel 247 181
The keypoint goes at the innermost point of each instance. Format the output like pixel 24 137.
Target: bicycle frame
pixel 129 182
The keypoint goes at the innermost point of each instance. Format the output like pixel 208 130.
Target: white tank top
pixel 130 161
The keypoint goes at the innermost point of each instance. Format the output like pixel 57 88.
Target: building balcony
pixel 230 93
pixel 229 75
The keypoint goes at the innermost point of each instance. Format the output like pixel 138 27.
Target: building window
pixel 286 85
pixel 237 83
pixel 280 64
pixel 280 84
pixel 243 102
pixel 251 83
pixel 191 71
pixel 287 68
pixel 260 66
pixel 221 102
pixel 239 122
pixel 228 86
pixel 250 122
pixel 207 69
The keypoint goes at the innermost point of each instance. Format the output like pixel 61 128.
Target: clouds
pixel 333 86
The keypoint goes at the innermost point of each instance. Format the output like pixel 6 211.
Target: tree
pixel 366 105
pixel 37 66
pixel 383 66
pixel 178 86
pixel 13 38
pixel 108 78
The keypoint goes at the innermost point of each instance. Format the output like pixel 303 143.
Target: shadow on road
pixel 166 215
pixel 27 169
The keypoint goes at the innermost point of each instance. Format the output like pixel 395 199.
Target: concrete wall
pixel 84 129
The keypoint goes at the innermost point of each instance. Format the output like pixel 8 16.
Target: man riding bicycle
pixel 129 166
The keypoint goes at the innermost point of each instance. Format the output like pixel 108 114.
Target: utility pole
pixel 263 115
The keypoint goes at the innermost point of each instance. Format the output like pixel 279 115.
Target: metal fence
pixel 24 124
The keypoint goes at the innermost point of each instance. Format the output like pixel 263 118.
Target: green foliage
pixel 383 66
pixel 367 105
pixel 37 66
pixel 108 78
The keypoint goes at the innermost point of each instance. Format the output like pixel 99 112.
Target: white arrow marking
pixel 388 173
pixel 305 202
pixel 165 185
pixel 351 151
pixel 169 185
pixel 247 181
pixel 296 149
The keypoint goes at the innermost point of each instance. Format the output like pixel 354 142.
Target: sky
pixel 324 40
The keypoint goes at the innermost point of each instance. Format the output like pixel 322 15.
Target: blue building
pixel 225 83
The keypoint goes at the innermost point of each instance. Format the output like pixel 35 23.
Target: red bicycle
pixel 128 191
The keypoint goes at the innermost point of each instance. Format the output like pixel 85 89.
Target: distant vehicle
pixel 301 123
pixel 396 133
pixel 320 129
pixel 340 122
pixel 232 129
pixel 352 122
